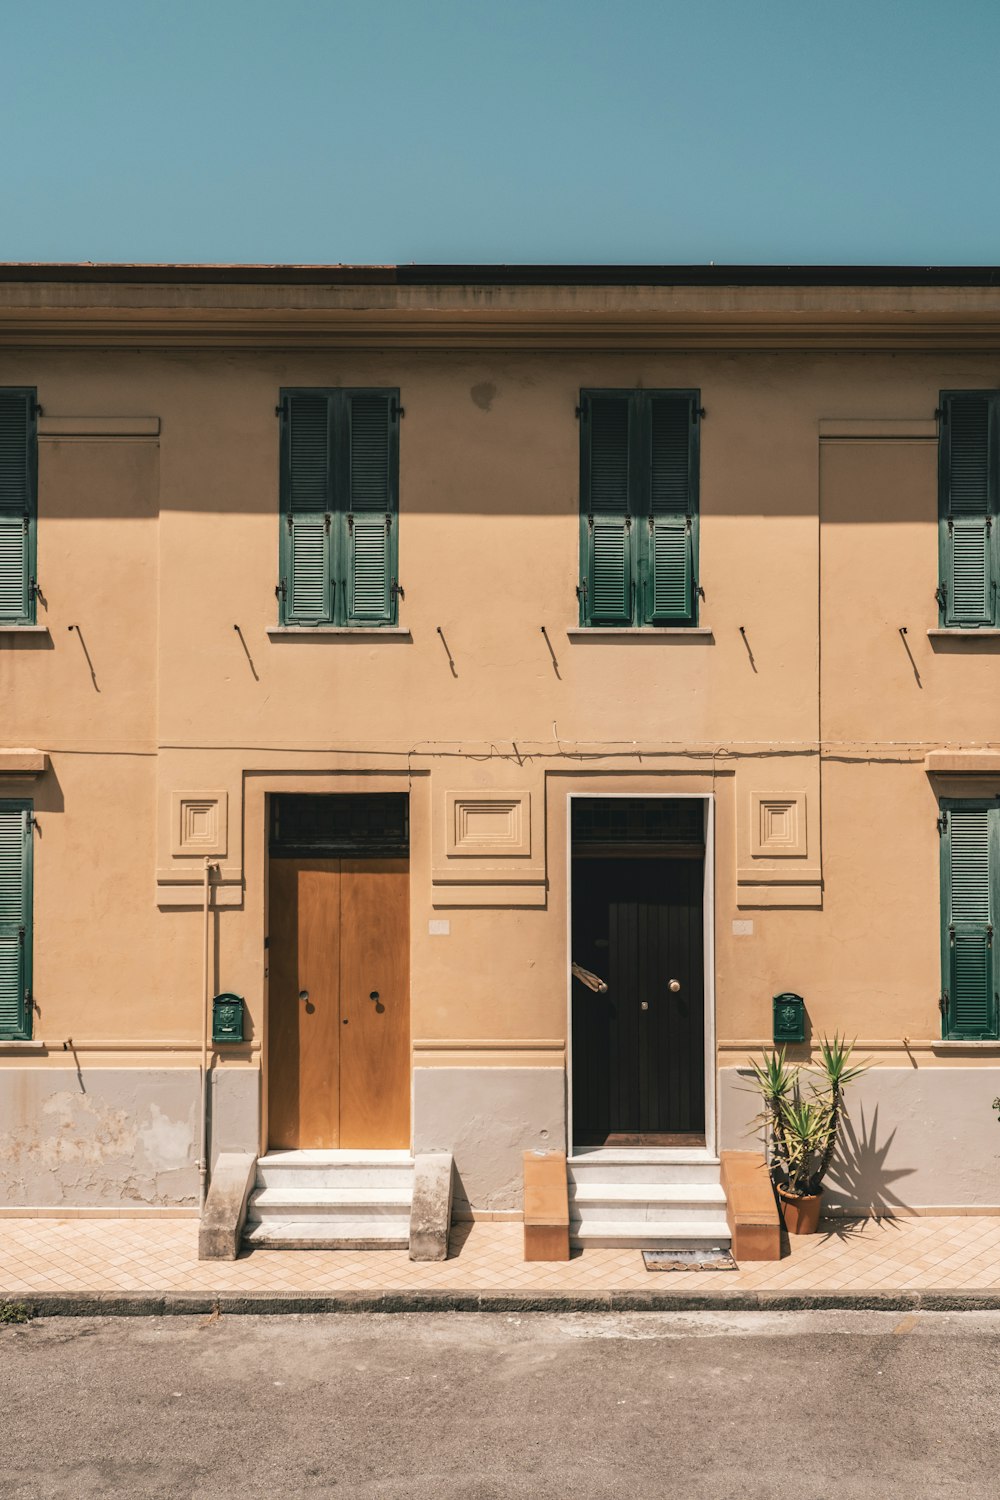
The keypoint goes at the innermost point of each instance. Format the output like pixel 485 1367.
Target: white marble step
pixel 306 1170
pixel 640 1234
pixel 339 1234
pixel 631 1168
pixel 320 1203
pixel 672 1203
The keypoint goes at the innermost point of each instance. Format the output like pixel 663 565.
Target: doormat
pixel 715 1259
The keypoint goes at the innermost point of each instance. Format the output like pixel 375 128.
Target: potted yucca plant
pixel 802 1129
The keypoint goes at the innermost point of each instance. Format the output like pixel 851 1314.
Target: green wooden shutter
pixel 668 570
pixel 969 545
pixel 15 920
pixel 371 520
pixel 307 590
pixel 969 875
pixel 606 593
pixel 17 505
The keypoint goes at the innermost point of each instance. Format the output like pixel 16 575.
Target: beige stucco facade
pixel 157 680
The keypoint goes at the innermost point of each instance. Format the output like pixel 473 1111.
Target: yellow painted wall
pixel 156 548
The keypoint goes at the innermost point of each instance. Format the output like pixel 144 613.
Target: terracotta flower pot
pixel 800 1211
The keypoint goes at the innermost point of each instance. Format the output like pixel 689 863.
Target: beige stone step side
pixel 751 1210
pixel 546 1206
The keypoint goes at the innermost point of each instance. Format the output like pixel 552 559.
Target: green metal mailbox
pixel 227 1018
pixel 789 1018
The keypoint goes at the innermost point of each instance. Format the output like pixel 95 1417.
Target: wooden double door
pixel 639 1049
pixel 339 1012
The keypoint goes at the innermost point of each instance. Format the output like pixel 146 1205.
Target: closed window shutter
pixel 307 575
pixel 606 597
pixel 969 879
pixel 968 511
pixel 15 920
pixel 17 471
pixel 669 563
pixel 371 515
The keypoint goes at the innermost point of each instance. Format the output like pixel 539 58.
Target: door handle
pixel 674 986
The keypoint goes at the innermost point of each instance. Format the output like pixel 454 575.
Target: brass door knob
pixel 674 986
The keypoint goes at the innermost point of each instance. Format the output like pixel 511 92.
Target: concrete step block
pixel 345 1234
pixel 321 1169
pixel 329 1203
pixel 620 1168
pixel 642 1235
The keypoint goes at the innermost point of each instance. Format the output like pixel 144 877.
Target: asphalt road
pixel 753 1406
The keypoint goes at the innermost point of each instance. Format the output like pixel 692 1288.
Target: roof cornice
pixel 494 315
pixel 135 273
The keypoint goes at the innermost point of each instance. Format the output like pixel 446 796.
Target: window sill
pixel 363 632
pixel 642 632
pixel 964 633
pixel 16 1046
pixel 11 629
pixel 960 1046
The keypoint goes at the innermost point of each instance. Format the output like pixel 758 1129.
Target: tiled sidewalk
pixel 51 1256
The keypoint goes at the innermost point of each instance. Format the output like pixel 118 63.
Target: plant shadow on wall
pixel 806 1126
pixel 859 1174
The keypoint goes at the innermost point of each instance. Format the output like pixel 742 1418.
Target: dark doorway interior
pixel 638 924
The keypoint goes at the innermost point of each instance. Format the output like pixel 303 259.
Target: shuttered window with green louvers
pixel 18 510
pixel 638 507
pixel 968 509
pixel 339 501
pixel 970 894
pixel 15 920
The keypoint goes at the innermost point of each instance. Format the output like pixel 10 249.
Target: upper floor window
pixel 639 507
pixel 18 505
pixel 970 908
pixel 968 592
pixel 339 507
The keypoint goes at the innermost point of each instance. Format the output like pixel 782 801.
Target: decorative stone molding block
pixel 483 849
pixel 773 864
pixel 778 825
pixel 484 825
pixel 199 824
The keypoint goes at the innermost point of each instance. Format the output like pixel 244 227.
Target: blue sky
pixel 460 130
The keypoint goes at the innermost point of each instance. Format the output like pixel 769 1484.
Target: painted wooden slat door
pixel 375 1003
pixel 338 1059
pixel 17 449
pixel 370 543
pixel 969 545
pixel 304 1004
pixel 307 502
pixel 15 920
pixel 668 572
pixel 608 535
pixel 969 874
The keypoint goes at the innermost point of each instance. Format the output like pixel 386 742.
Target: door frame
pixel 259 786
pixel 708 1152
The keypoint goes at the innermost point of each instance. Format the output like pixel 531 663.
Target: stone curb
pixel 167 1304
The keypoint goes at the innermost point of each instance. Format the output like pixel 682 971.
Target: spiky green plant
pixel 806 1131
pixel 776 1082
pixel 802 1131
